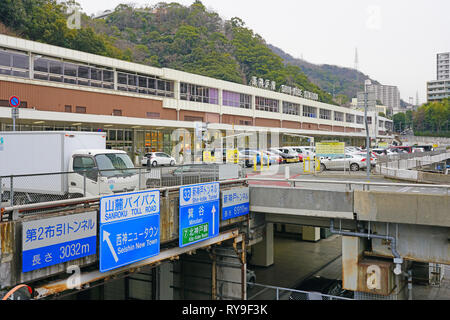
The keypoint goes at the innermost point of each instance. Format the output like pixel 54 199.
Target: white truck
pixel 75 159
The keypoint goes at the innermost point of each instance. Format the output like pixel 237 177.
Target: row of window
pixel 234 99
pixel 78 109
pixel 291 108
pixel 56 70
pixel 82 109
pixel 49 69
pixel 193 92
pixel 266 104
pixel 14 64
pixel 144 84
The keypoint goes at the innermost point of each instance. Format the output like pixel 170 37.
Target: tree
pixel 399 121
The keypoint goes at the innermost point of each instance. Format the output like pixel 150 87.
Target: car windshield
pixel 110 161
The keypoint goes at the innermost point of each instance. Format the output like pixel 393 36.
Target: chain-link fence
pixel 266 292
pixel 45 187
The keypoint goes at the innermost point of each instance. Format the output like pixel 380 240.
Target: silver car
pixel 339 162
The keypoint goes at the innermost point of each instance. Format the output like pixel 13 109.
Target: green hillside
pixel 187 38
pixel 343 83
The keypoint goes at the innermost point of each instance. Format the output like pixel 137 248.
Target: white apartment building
pixel 440 88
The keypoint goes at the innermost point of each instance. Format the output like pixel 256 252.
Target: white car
pixel 273 157
pixel 349 161
pixel 290 151
pixel 352 150
pixel 158 159
pixel 418 150
pixel 306 151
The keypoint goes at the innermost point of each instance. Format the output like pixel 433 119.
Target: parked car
pixel 402 149
pixel 273 157
pixel 373 156
pixel 349 161
pixel 186 174
pixel 415 149
pixel 302 153
pixel 158 159
pixel 426 148
pixel 381 151
pixel 306 151
pixel 317 286
pixel 287 158
pixel 352 149
pixel 291 151
pixel 248 157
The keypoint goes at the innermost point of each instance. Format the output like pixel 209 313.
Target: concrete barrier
pixel 408 208
pixel 430 177
pixel 311 203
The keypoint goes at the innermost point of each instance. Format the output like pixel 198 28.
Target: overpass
pixel 384 226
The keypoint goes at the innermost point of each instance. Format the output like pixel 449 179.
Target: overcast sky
pixel 397 40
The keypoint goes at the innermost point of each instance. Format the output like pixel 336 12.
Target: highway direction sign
pixel 47 242
pixel 235 203
pixel 199 213
pixel 129 228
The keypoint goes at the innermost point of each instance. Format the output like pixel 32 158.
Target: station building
pixel 140 107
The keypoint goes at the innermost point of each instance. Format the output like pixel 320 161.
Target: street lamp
pixel 367 83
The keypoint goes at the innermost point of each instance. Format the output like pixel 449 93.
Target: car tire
pixel 172 163
pixel 354 167
pixel 322 168
pixel 154 164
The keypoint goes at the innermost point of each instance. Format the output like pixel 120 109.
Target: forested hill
pixel 343 82
pixel 188 38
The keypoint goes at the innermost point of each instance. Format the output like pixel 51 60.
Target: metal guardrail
pixel 45 187
pixel 17 211
pixel 279 293
pixel 349 183
pixel 406 156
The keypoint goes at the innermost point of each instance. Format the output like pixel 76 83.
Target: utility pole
pixel 367 83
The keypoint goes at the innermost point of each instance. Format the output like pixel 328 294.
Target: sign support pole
pixel 14 102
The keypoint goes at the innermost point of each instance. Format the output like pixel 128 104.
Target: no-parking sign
pixel 14 101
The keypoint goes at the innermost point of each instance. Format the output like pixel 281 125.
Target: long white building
pixel 141 106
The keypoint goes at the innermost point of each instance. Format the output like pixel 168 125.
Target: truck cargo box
pixel 37 152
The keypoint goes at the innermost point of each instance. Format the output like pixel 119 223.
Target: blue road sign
pixel 129 228
pixel 56 240
pixel 199 213
pixel 235 203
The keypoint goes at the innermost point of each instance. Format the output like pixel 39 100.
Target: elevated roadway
pixel 410 221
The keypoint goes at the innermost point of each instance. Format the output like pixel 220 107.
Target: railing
pixel 397 166
pixel 45 187
pixel 13 212
pixel 407 156
pixel 9 209
pixel 278 293
pixel 349 183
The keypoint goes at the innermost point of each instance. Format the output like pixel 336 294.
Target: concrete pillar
pixel 310 233
pixel 370 277
pixel 352 250
pixel 262 252
pixel 166 281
